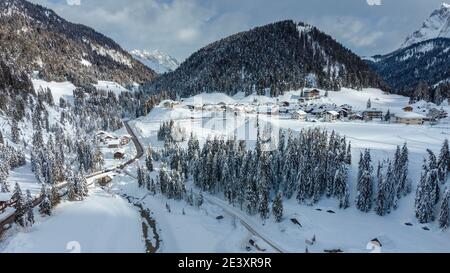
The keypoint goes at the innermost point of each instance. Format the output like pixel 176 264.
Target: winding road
pixel 9 219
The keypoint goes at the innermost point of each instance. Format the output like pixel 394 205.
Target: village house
pixel 356 116
pixel 408 108
pixel 311 94
pixel 409 118
pixel 105 180
pixel 373 113
pixel 299 115
pixel 119 155
pixel 331 116
pixel 124 140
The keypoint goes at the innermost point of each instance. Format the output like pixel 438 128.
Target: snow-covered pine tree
pixel 444 162
pixel 365 183
pixel 387 117
pixel 19 217
pixel 2 141
pixel 15 132
pixel 424 202
pixel 277 207
pixel 404 185
pixel 45 207
pixel 369 104
pixel 72 192
pixel 55 198
pixel 149 159
pixel 199 201
pixel 348 154
pixel 432 177
pixel 140 177
pixel 29 209
pixel 251 197
pixel 4 170
pixel 444 217
pixel 341 185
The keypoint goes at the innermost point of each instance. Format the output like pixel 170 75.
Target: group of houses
pixel 114 142
pixel 307 107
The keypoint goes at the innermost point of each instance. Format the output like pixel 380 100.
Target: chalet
pixel 408 108
pixel 284 104
pixel 124 140
pixel 409 118
pixel 355 116
pixel 168 104
pixel 311 94
pixel 113 146
pixel 103 181
pixel 373 113
pixel 119 155
pixel 331 116
pixel 299 115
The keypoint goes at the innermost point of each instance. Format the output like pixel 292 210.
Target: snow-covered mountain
pixel 436 26
pixel 274 58
pixel 423 57
pixel 35 39
pixel 156 60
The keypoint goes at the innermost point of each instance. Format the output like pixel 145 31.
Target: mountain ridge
pixel 36 40
pixel 273 58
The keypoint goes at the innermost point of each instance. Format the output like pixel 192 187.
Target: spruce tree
pixel 29 209
pixel 4 169
pixel 424 202
pixel 444 162
pixel 15 132
pixel 444 217
pixel 19 217
pixel 2 141
pixel 365 183
pixel 149 160
pixel 45 207
pixel 277 207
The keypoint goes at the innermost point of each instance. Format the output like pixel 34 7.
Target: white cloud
pixel 73 2
pixel 374 2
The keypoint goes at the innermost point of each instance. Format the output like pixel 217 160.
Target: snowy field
pixel 103 222
pixel 355 229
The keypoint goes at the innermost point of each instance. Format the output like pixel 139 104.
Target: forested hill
pixel 36 39
pixel 277 57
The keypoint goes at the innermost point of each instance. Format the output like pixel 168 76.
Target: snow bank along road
pixel 9 219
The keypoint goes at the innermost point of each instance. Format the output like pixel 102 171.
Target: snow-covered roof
pixel 5 196
pixel 409 115
pixel 300 112
pixel 334 113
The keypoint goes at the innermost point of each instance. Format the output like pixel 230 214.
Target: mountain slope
pixel 33 38
pixel 427 61
pixel 277 57
pixel 423 57
pixel 156 60
pixel 436 26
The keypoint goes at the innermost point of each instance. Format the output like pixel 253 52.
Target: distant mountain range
pixel 269 60
pixel 423 57
pixel 156 60
pixel 36 40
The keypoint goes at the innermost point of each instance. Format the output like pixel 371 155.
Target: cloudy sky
pixel 180 27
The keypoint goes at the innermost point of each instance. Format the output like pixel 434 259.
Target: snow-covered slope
pixel 156 60
pixel 436 26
